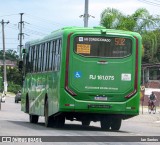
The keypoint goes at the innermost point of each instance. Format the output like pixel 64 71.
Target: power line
pixel 42 29
pixel 150 3
pixel 12 27
pixel 44 20
pixel 157 0
pixel 30 31
pixel 10 43
pixel 9 48
pixel 8 15
pixel 9 38
pixel 39 19
pixel 36 32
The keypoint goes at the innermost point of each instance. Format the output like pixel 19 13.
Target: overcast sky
pixel 43 16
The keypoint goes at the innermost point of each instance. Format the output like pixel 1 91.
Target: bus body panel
pixel 37 87
pixel 101 78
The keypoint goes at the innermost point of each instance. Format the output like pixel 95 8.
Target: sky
pixel 41 17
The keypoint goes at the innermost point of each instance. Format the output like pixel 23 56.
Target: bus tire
pixel 116 123
pixel 27 104
pixel 85 122
pixel 49 120
pixel 33 118
pixel 105 123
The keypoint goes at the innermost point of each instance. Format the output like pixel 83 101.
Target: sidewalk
pixel 144 110
pixel 8 94
pixel 144 116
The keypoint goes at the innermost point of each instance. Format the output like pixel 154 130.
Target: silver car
pixel 18 97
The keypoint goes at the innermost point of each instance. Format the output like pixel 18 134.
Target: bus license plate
pixel 100 98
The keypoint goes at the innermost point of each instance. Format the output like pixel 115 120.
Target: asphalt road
pixel 14 122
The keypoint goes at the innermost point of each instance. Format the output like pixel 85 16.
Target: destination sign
pixel 101 46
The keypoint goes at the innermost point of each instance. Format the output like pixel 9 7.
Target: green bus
pixel 82 74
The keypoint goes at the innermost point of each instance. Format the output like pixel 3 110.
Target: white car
pixel 3 98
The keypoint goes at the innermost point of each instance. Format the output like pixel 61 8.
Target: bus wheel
pixel 59 121
pixel 116 123
pixel 49 120
pixel 85 122
pixel 33 118
pixel 105 123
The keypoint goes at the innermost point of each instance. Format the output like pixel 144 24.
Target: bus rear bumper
pixel 128 107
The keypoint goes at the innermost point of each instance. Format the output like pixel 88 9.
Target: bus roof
pixel 60 32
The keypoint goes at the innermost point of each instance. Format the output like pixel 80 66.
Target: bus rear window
pixel 116 47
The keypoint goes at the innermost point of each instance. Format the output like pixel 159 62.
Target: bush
pixel 12 87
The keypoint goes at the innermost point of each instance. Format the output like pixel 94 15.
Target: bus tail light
pixel 70 91
pixel 69 105
pixel 136 73
pixel 131 94
pixel 67 67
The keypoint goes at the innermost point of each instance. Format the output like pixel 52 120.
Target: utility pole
pixel 4 59
pixel 86 15
pixel 20 35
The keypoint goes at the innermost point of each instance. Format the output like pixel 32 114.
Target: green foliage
pixel 12 87
pixel 9 55
pixel 14 77
pixel 151 43
pixel 111 18
pixel 140 21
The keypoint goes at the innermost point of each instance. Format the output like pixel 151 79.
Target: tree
pixel 9 55
pixel 14 77
pixel 151 42
pixel 111 18
pixel 140 21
